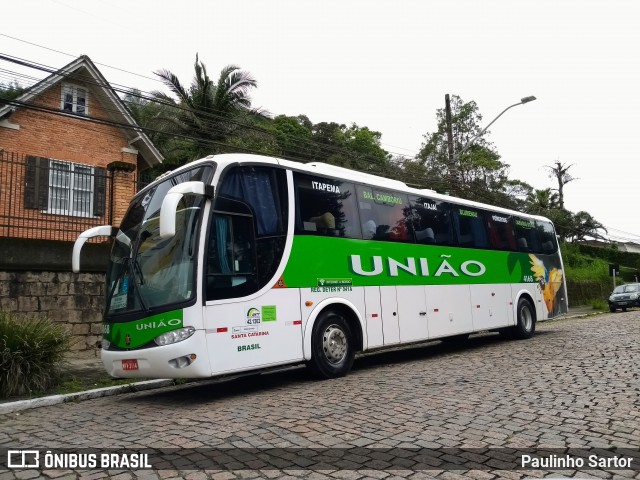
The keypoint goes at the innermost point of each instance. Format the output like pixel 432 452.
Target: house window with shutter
pixel 64 188
pixel 74 99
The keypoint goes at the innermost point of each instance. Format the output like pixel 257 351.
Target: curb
pixel 11 407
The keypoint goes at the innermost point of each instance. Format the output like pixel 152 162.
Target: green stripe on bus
pixel 368 263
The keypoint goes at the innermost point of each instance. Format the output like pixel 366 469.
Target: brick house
pixel 70 156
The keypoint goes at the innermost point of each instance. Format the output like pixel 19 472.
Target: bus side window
pixel 431 221
pixel 526 235
pixel 325 207
pixel 501 235
pixel 231 263
pixel 547 236
pixel 384 215
pixel 470 227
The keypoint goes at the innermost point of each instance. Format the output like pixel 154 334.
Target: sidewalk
pixel 92 368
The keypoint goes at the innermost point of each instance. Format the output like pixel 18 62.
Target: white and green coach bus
pixel 239 262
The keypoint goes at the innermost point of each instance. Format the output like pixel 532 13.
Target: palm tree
pixel 206 108
pixel 540 202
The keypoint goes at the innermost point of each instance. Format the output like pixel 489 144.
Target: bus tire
pixel 526 325
pixel 332 346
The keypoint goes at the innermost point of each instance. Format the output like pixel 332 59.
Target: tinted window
pixel 526 236
pixel 501 235
pixel 247 231
pixel 471 227
pixel 383 214
pixel 263 190
pixel 547 236
pixel 326 207
pixel 431 221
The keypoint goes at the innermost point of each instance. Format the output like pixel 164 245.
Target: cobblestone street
pixel 574 385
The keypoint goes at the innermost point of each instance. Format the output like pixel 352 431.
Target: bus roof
pixel 329 170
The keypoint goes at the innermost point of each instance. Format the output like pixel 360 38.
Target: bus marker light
pixel 222 330
pixel 436 309
pixel 308 303
pixel 297 322
pixel 374 315
pixel 193 356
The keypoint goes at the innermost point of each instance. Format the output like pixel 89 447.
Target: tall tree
pixel 203 110
pixel 560 172
pixel 477 173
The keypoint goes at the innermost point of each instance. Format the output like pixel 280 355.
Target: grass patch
pixel 31 354
pixel 599 304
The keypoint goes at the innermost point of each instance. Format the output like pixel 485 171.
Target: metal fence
pixel 49 199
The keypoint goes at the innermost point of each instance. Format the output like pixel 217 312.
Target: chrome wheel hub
pixel 334 344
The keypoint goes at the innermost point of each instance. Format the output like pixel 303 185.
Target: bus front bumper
pixel 186 359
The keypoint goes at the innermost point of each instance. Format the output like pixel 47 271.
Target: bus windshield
pixel 147 272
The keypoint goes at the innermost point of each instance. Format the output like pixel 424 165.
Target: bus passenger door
pixel 412 313
pixel 259 333
pixel 389 310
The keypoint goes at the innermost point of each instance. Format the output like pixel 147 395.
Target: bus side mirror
pixel 101 231
pixel 170 204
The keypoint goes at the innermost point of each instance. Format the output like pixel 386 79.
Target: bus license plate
pixel 130 364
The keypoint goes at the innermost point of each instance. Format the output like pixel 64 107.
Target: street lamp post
pixel 522 101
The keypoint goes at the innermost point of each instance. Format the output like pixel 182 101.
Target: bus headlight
pixel 174 336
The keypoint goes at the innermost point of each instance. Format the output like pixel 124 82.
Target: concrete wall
pixel 36 280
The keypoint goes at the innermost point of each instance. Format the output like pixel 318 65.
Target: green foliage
pixel 31 354
pixel 203 114
pixel 587 271
pixel 579 267
pixel 476 174
pixel 11 91
pixel 599 304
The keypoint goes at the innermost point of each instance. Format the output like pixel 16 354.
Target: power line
pixel 303 148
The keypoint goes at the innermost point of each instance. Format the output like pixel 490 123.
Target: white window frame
pixel 73 90
pixel 70 186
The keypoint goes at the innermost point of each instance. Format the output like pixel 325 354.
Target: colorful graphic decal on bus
pixel 366 263
pixel 140 332
pixel 253 316
pixel 267 313
pixel 550 281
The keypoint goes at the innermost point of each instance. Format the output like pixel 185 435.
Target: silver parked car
pixel 625 296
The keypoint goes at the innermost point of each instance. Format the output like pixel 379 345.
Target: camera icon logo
pixel 23 458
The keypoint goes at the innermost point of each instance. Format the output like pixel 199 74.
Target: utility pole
pixel 452 167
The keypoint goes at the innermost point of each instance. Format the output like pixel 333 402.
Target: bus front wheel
pixel 526 326
pixel 332 349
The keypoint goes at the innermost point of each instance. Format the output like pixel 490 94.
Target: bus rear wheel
pixel 332 349
pixel 526 325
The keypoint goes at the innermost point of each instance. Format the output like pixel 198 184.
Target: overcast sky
pixel 387 65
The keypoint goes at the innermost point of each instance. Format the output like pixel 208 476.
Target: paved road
pixel 415 413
